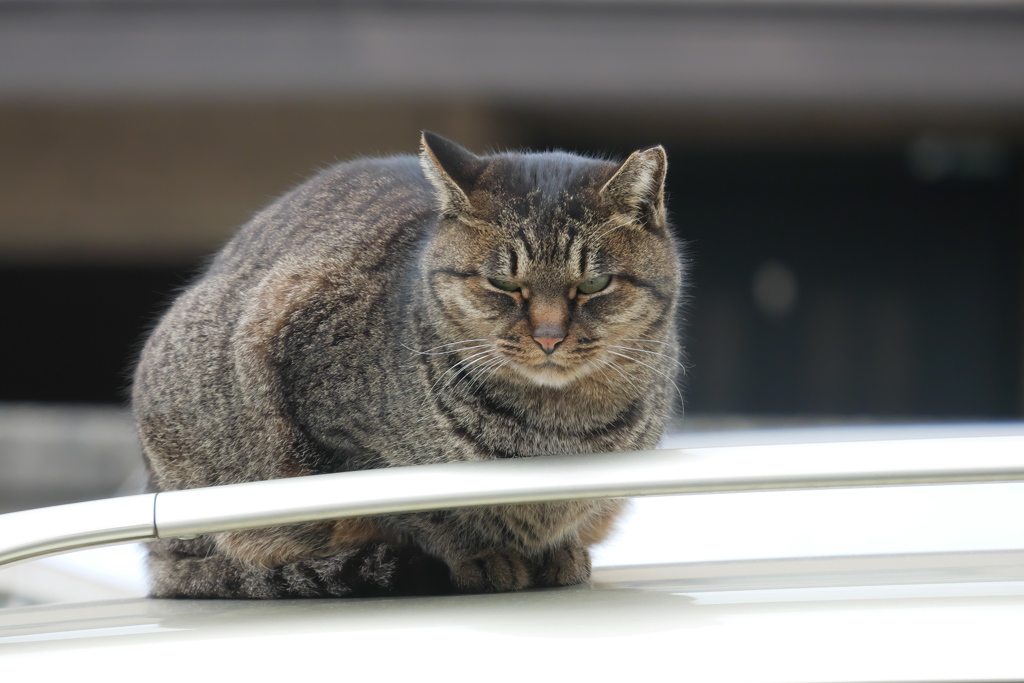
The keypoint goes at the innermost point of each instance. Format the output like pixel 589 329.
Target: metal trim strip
pixel 32 533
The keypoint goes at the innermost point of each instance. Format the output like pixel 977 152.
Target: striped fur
pixel 355 324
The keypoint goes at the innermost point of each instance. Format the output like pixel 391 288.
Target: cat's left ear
pixel 638 187
pixel 452 169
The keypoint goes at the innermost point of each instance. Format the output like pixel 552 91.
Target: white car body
pixel 900 583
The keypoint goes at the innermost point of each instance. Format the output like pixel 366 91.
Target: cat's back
pixel 352 205
pixel 345 237
pixel 355 219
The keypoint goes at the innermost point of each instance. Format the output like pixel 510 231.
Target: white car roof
pixel 912 584
pixel 920 618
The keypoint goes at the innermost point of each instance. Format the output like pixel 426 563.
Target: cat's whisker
pixel 597 366
pixel 629 380
pixel 485 371
pixel 497 368
pixel 441 346
pixel 445 374
pixel 462 373
pixel 487 378
pixel 455 371
pixel 433 350
pixel 448 353
pixel 456 368
pixel 652 341
pixel 475 376
pixel 459 368
pixel 654 353
pixel 639 389
pixel 467 372
pixel 429 352
pixel 651 367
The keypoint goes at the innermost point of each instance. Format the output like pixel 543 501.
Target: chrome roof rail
pixel 34 533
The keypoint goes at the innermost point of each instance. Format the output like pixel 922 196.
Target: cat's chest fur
pixel 409 408
pixel 504 424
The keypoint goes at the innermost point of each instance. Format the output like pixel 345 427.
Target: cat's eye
pixel 594 284
pixel 506 285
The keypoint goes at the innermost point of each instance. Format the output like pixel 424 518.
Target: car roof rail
pixel 188 513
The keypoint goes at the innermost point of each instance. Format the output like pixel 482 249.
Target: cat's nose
pixel 548 335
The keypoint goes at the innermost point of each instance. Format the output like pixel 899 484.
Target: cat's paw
pixel 564 566
pixel 492 571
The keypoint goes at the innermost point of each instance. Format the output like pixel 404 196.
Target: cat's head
pixel 549 266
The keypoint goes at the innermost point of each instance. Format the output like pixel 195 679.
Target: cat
pixel 404 310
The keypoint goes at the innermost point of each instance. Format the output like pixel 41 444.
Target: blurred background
pixel 848 175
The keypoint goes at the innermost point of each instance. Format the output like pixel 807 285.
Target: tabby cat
pixel 401 311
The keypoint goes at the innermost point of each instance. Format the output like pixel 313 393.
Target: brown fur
pixel 356 324
pixel 600 527
pixel 352 533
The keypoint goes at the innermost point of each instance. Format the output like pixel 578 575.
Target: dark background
pixel 853 200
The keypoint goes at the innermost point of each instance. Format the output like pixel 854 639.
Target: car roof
pixel 950 616
pixel 853 615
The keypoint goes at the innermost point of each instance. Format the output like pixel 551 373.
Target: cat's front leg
pixel 501 570
pixel 564 565
pixel 480 550
pixel 492 571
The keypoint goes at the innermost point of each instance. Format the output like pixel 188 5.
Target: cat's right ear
pixel 452 169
